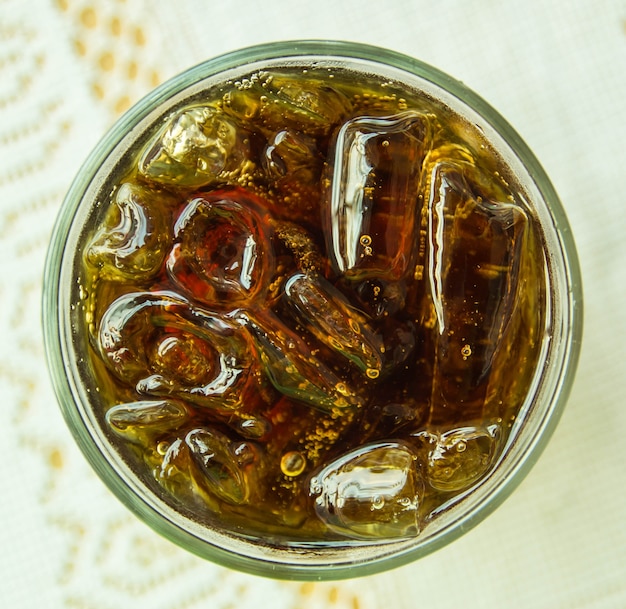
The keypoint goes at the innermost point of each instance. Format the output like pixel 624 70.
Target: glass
pixel 78 392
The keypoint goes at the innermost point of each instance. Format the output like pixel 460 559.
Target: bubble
pixel 292 463
pixel 162 447
pixel 378 502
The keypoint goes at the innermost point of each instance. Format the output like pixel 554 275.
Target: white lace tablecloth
pixel 556 70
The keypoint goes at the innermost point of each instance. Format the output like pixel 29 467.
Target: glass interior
pixel 76 389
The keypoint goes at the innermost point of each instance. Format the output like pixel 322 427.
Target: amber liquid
pixel 315 304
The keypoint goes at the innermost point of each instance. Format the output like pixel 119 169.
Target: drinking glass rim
pixel 52 313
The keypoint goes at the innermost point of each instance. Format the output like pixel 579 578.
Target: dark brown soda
pixel 314 302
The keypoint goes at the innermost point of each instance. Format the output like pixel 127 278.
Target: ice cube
pixel 325 312
pixel 218 468
pixel 460 457
pixel 165 347
pixel 134 236
pixel 196 146
pixel 146 418
pixel 371 207
pixel 222 255
pixel 292 367
pixel 293 166
pixel 289 152
pixel 204 467
pixel 372 492
pixel 172 466
pixel 315 100
pixel 253 427
pixel 474 250
pixel 274 101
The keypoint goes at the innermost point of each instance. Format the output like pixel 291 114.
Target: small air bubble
pixel 292 463
pixel 378 502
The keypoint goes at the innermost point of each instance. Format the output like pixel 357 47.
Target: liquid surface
pixel 314 304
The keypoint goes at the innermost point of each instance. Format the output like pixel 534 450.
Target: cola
pixel 315 306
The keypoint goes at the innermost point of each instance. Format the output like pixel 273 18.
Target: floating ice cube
pixel 146 418
pixel 274 101
pixel 326 313
pixel 222 255
pixel 371 208
pixel 475 247
pixel 165 347
pixel 372 492
pixel 458 458
pixel 293 166
pixel 195 146
pixel 204 467
pixel 290 152
pixel 292 367
pixel 135 235
pixel 217 466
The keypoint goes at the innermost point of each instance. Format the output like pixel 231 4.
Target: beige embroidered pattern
pixel 111 39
